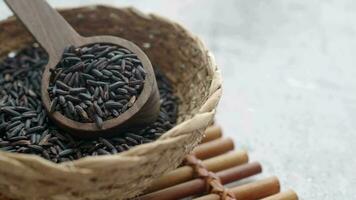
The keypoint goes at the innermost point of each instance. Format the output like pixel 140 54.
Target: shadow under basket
pixel 180 55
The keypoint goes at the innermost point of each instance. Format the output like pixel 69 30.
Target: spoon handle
pixel 49 28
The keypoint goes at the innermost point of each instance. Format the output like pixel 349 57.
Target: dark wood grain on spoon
pixel 54 34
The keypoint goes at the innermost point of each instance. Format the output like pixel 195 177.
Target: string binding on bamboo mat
pixel 213 183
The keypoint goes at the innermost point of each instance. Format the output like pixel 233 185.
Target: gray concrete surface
pixel 289 83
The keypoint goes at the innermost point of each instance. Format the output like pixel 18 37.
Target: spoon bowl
pixel 54 34
pixel 143 111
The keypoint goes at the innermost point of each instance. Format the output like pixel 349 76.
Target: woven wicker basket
pixel 179 54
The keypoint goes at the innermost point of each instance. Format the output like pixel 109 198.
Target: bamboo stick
pixel 212 133
pixel 198 186
pixel 213 148
pixel 287 195
pixel 186 173
pixel 251 191
pixel 239 172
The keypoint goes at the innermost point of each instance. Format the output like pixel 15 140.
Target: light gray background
pixel 289 83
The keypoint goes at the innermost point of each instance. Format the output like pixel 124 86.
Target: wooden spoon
pixel 54 34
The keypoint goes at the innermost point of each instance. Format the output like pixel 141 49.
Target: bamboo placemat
pixel 206 172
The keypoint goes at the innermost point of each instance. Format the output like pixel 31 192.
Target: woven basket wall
pixel 179 54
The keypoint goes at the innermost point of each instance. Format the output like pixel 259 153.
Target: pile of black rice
pixel 26 128
pixel 95 83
